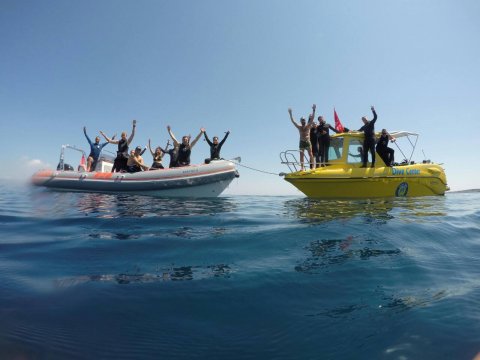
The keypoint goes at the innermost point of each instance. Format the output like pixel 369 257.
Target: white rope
pixel 251 168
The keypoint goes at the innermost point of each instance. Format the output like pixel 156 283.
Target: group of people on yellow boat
pixel 132 161
pixel 315 139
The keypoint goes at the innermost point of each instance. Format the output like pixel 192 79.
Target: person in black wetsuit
pixel 95 150
pixel 184 148
pixel 385 152
pixel 314 141
pixel 323 132
pixel 173 152
pixel 120 163
pixel 215 146
pixel 368 129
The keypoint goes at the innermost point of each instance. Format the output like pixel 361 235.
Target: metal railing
pixel 61 164
pixel 288 158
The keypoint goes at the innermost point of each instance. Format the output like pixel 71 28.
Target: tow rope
pixel 262 171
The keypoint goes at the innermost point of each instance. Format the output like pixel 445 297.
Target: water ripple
pixel 118 277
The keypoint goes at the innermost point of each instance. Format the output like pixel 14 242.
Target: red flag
pixel 82 160
pixel 338 124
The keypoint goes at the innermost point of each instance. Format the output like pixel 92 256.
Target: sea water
pixel 92 276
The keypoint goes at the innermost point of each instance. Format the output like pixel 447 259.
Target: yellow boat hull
pixel 346 181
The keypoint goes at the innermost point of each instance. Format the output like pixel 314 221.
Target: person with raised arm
pixel 173 152
pixel 324 139
pixel 215 146
pixel 304 131
pixel 157 155
pixel 368 129
pixel 95 150
pixel 185 147
pixel 120 162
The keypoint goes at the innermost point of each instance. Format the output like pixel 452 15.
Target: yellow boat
pixel 343 177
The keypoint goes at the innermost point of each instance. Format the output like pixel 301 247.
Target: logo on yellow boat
pixel 396 171
pixel 402 189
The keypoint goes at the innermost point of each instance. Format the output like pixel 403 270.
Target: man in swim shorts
pixel 304 131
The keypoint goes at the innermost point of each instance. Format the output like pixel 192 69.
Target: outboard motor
pixel 66 167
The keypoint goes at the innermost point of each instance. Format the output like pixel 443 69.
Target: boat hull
pixel 336 182
pixel 206 180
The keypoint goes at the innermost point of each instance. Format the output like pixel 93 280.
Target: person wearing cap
pixel 120 162
pixel 385 152
pixel 368 129
pixel 184 148
pixel 215 146
pixel 304 131
pixel 135 161
pixel 95 150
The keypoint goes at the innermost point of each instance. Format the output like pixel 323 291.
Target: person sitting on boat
pixel 385 152
pixel 120 162
pixel 157 156
pixel 368 129
pixel 324 139
pixel 358 155
pixel 135 161
pixel 215 146
pixel 184 148
pixel 95 150
pixel 304 130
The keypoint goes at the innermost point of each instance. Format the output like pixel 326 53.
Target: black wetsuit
pixel 386 153
pixel 173 157
pixel 314 141
pixel 183 157
pixel 157 165
pixel 324 141
pixel 120 162
pixel 215 148
pixel 369 141
pixel 134 168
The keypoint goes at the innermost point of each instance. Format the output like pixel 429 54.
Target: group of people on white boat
pixel 315 139
pixel 132 161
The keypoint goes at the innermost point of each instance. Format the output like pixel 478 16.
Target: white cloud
pixel 36 163
pixel 23 167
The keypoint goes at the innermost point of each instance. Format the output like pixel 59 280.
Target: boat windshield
pixel 355 150
pixel 336 148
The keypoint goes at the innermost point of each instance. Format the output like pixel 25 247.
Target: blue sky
pixel 238 66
